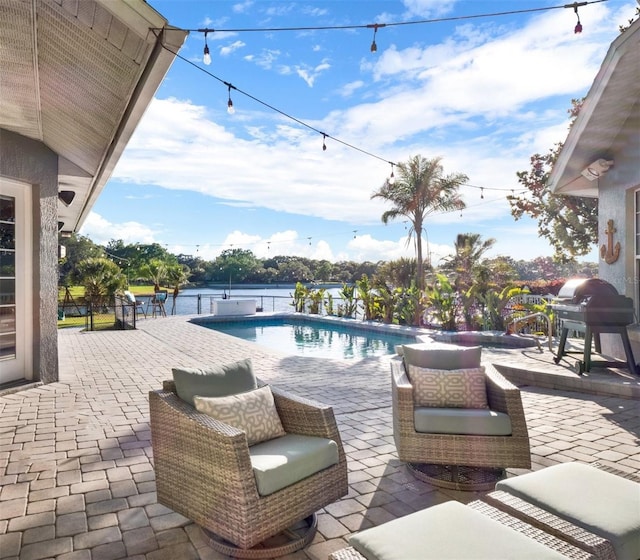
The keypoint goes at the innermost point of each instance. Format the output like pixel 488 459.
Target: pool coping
pixel 421 334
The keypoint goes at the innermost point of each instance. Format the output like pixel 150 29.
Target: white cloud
pixel 229 49
pixel 265 59
pixel 309 74
pixel 475 99
pixel 349 89
pixel 101 231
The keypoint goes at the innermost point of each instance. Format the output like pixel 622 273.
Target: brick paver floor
pixel 76 470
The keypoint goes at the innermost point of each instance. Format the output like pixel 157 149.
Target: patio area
pixel 76 473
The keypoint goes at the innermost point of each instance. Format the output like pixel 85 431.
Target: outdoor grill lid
pixel 577 290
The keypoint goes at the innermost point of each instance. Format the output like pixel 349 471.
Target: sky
pixel 481 93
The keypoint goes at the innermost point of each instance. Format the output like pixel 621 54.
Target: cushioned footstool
pixel 599 502
pixel 452 531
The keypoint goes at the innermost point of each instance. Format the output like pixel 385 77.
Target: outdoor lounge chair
pixel 462 425
pixel 138 305
pixel 452 531
pixel 239 487
pixel 594 507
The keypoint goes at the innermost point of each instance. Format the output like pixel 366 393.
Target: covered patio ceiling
pixel 598 131
pixel 77 75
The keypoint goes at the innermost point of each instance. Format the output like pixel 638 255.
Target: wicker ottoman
pixel 571 498
pixel 451 531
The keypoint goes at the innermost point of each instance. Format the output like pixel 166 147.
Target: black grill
pixel 594 302
pixel 593 306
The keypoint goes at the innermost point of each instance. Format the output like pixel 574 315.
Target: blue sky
pixel 483 94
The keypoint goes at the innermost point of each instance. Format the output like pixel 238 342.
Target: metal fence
pixel 122 314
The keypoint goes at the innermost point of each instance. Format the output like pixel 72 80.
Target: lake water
pixel 312 338
pixel 276 299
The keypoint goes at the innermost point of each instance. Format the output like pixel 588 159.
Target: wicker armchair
pixel 489 452
pixel 203 471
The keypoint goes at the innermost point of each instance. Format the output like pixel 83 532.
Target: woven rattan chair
pixel 203 471
pixel 467 461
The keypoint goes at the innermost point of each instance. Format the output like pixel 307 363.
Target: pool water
pixel 313 339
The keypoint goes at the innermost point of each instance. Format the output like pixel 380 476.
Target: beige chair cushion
pixel 253 412
pixel 456 388
pixel 461 421
pixel 436 355
pixel 598 501
pixel 281 462
pixel 214 381
pixel 448 531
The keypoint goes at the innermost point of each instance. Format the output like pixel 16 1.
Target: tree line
pixel 151 263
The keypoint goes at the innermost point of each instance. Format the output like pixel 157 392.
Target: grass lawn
pixel 101 321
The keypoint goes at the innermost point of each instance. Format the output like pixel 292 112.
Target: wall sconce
pixel 596 169
pixel 66 197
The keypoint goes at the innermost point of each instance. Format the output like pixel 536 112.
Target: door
pixel 15 282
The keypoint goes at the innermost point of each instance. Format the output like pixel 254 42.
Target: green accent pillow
pixel 253 412
pixel 214 381
pixel 442 356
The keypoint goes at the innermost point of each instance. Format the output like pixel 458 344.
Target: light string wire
pixel 306 239
pixel 376 26
pixel 325 135
pixel 307 125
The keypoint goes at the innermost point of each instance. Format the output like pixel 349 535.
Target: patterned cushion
pixel 455 388
pixel 254 413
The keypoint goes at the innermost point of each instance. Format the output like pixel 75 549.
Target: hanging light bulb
pixel 207 56
pixel 324 144
pixel 482 192
pixel 230 108
pixel 578 27
pixel 375 26
pixel 392 177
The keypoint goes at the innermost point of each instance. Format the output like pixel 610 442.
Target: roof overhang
pixel 78 76
pixel 612 99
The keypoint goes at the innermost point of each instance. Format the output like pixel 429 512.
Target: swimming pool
pixel 312 338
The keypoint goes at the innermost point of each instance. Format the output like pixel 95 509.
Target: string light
pixel 375 27
pixel 230 108
pixel 392 177
pixel 575 5
pixel 482 192
pixel 355 232
pixel 206 58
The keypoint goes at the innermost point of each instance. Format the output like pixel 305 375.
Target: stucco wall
pixel 32 162
pixel 616 190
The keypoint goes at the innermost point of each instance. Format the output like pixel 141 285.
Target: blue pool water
pixel 313 339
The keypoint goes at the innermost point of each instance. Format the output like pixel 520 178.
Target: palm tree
pixel 420 189
pixel 177 275
pixel 156 271
pixel 469 249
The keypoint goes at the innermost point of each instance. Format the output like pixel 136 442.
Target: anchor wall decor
pixel 610 252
